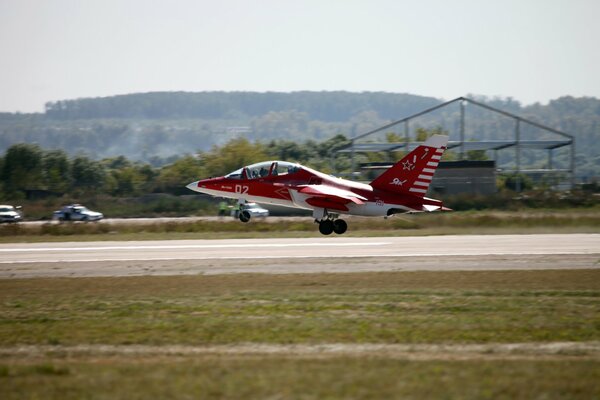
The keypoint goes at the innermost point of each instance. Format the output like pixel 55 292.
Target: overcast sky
pixel 531 50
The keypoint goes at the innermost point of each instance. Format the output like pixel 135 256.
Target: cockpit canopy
pixel 264 169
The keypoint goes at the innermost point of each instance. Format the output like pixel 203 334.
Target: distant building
pixel 472 177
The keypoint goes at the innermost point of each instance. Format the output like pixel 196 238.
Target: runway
pixel 322 254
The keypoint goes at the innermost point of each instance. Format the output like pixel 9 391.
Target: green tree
pixel 286 150
pixel 392 156
pixel 127 181
pixel 148 176
pixel 392 137
pixel 116 162
pixel 477 155
pixel 22 169
pixel 125 178
pixel 88 175
pixel 57 171
pixel 174 177
pixel 422 134
pixel 517 182
pixel 234 154
pixel 2 190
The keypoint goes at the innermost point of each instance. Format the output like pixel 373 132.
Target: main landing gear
pixel 328 226
pixel 329 222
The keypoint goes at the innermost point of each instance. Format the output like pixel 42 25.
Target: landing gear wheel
pixel 339 226
pixel 326 227
pixel 245 216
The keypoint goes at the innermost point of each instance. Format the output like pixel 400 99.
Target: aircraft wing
pixel 330 197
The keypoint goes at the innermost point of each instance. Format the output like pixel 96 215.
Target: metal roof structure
pixel 466 146
pixel 358 145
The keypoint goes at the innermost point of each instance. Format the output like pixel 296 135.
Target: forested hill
pixel 151 126
pixel 322 106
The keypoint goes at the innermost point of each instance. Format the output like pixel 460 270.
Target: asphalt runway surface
pixel 305 255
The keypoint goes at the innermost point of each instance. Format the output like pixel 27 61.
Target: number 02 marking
pixel 241 189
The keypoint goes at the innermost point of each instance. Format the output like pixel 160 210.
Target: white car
pixel 249 210
pixel 76 212
pixel 10 213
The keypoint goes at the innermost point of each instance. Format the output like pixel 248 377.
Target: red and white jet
pixel 399 189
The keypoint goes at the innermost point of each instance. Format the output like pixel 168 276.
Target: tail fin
pixel 413 174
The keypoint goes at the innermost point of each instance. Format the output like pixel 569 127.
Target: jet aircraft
pixel 399 189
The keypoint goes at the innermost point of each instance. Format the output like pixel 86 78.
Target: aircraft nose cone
pixel 193 186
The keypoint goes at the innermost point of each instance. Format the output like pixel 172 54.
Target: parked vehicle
pixel 76 212
pixel 249 210
pixel 10 213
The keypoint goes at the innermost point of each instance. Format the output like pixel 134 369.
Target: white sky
pixel 531 50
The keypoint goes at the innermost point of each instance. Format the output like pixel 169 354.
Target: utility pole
pixel 518 154
pixel 462 129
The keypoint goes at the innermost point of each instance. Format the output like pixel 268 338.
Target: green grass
pixel 450 307
pixel 393 307
pixel 283 378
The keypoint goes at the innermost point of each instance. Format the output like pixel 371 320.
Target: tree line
pixel 27 168
pixel 155 128
pixel 323 106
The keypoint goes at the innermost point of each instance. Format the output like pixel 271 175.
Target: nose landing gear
pixel 244 216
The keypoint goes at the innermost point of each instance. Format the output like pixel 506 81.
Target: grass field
pixel 451 308
pixel 408 307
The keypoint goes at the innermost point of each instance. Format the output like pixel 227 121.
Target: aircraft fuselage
pixel 400 189
pixel 284 190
